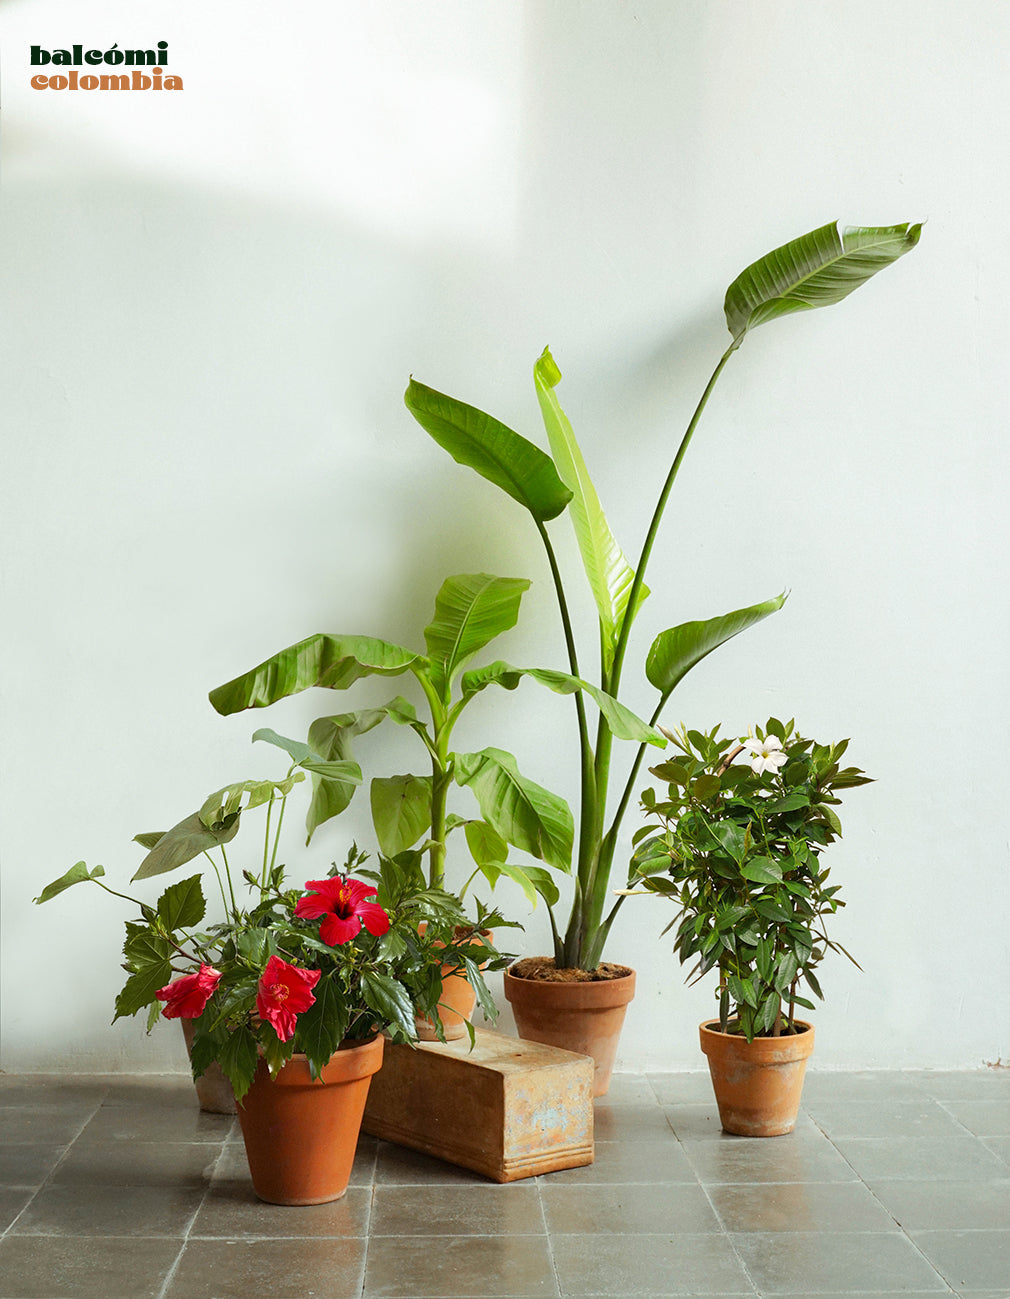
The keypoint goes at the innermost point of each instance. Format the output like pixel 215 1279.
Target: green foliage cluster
pixel 737 850
pixel 818 269
pixel 369 983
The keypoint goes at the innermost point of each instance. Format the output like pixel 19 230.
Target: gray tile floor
pixel 892 1183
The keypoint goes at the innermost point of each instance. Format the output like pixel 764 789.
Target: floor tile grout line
pixel 184 1242
pixel 47 1180
pixel 901 1229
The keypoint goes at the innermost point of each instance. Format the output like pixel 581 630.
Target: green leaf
pixel 77 874
pixel 485 844
pixel 401 811
pixel 388 999
pixel 335 662
pixel 297 750
pixel 182 843
pixel 322 1027
pixel 762 870
pixel 471 609
pixel 676 651
pixel 492 449
pixel 238 1059
pixel 330 738
pixel 609 574
pixel 149 839
pixel 523 813
pixel 816 270
pixel 623 723
pixel 140 988
pixel 494 870
pixel 182 905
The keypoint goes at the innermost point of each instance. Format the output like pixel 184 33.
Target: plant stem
pixel 277 836
pixel 657 518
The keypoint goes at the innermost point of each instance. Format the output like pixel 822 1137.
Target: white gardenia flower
pixel 766 754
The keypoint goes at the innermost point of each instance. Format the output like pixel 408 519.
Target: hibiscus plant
pixel 815 270
pixel 290 970
pixel 736 847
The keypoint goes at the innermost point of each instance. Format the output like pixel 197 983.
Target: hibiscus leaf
pixel 335 662
pixel 471 610
pixel 239 1059
pixel 676 651
pixel 525 814
pixel 321 1028
pixel 484 998
pixel 762 870
pixel 140 988
pixel 389 999
pixel 492 449
pixel 816 270
pixel 401 811
pixel 182 905
pixel 182 843
pixel 77 874
pixel 609 574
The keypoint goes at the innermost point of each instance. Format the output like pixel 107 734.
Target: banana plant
pixel 410 812
pixel 816 270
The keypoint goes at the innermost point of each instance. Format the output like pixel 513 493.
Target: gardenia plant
pixel 816 270
pixel 736 846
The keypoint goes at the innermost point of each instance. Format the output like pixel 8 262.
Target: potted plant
pixel 736 846
pixel 290 990
pixel 815 270
pixel 410 812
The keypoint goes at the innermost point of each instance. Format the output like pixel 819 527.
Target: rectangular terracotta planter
pixel 508 1109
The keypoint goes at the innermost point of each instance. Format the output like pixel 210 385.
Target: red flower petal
pixel 375 920
pixel 336 930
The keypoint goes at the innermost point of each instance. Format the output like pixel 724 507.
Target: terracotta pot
pixel 582 1017
pixel 213 1090
pixel 757 1084
pixel 456 1003
pixel 300 1134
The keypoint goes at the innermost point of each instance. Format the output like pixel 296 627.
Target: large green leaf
pixel 491 448
pixel 609 574
pixel 401 811
pixel 183 842
pixel 331 738
pixel 623 723
pixel 389 999
pixel 470 611
pixel 525 814
pixel 816 270
pixel 676 651
pixel 332 661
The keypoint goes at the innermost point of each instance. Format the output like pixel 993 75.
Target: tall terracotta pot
pixel 757 1084
pixel 300 1133
pixel 585 1017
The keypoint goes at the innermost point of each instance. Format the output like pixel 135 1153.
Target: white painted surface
pixel 212 302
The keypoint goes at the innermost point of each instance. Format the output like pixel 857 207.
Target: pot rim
pixel 712 1026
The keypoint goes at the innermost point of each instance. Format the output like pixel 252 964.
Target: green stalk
pixel 597 869
pixel 277 836
pixel 220 882
pixel 565 954
pixel 227 871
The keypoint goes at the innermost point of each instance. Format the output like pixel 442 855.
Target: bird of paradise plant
pixel 816 270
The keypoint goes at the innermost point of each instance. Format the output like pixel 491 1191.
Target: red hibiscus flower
pixel 341 903
pixel 186 997
pixel 284 992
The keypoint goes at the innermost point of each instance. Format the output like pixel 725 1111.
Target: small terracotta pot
pixel 213 1090
pixel 456 1003
pixel 300 1133
pixel 586 1017
pixel 757 1084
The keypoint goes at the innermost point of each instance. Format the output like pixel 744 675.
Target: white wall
pixel 211 304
